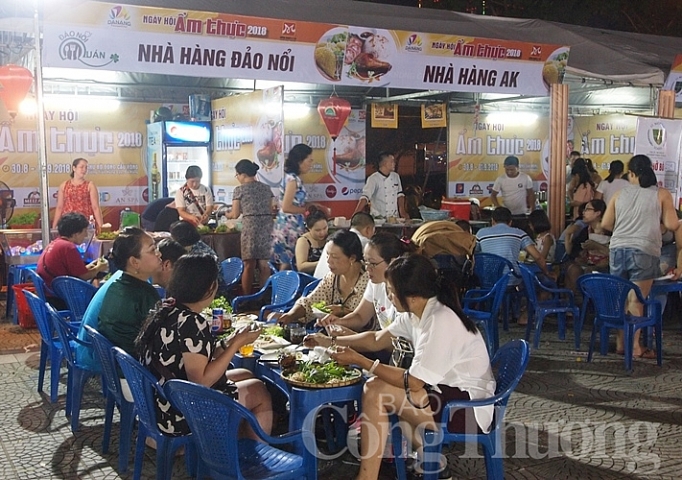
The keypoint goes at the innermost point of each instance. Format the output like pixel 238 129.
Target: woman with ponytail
pixel 176 343
pixel 613 183
pixel 450 362
pixel 635 215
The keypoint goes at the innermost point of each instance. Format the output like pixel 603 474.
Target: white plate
pixel 319 313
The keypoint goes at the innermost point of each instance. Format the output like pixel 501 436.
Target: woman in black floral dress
pixel 176 342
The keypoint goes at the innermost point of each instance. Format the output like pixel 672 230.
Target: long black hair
pixel 615 169
pixel 194 277
pixel 640 165
pixel 581 170
pixel 415 276
pixel 297 154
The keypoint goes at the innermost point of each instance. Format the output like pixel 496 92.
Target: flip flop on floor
pixel 646 353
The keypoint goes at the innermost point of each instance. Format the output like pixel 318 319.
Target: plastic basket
pixel 26 319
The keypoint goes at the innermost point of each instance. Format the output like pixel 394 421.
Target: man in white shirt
pixel 361 224
pixel 384 191
pixel 516 188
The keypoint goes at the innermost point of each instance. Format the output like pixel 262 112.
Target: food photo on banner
pixel 202 44
pixel 384 115
pixel 434 115
pixel 248 126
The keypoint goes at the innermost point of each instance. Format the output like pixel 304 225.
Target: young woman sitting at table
pixel 309 246
pixel 450 362
pixel 176 343
pixel 342 288
pixel 379 252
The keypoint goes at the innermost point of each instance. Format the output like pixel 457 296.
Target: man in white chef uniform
pixel 384 191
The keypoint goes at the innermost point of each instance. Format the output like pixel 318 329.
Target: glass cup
pixel 246 350
pixel 297 333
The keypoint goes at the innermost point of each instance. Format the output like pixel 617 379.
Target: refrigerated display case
pixel 171 148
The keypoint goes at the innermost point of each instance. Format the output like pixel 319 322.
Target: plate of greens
pixel 310 374
pixel 320 309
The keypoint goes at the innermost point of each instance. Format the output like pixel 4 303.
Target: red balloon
pixel 15 82
pixel 334 112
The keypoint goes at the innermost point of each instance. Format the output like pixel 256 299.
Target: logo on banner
pixel 288 30
pixel 476 190
pixel 118 17
pixel 127 197
pixel 459 188
pixel 104 197
pixel 414 43
pixel 536 51
pixel 345 191
pixel 330 191
pixel 32 198
pixel 656 135
pixel 73 48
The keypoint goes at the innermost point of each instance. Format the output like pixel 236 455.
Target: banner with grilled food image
pixel 555 67
pixel 324 182
pixel 248 126
pixel 356 55
pixel 433 115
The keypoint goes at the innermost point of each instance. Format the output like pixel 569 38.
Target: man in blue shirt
pixel 506 241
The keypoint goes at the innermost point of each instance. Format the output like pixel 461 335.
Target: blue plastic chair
pixel 308 289
pixel 41 289
pixel 76 293
pixel 215 418
pixel 78 374
pixel 305 280
pixel 50 346
pixel 561 303
pixel 487 303
pixel 143 385
pixel 115 395
pixel 15 274
pixel 488 269
pixel 284 284
pixel 232 269
pixel 609 294
pixel 510 363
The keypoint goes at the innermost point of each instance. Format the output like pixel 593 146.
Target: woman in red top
pixel 78 195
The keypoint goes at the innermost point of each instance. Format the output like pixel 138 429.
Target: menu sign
pixel 193 43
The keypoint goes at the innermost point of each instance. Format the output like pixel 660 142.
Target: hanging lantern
pixel 15 82
pixel 334 112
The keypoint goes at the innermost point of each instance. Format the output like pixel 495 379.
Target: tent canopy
pixel 599 60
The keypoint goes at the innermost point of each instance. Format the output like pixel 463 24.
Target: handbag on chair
pixel 403 353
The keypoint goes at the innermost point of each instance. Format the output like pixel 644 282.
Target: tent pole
pixel 42 139
pixel 558 128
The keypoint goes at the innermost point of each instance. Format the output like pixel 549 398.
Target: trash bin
pixel 26 319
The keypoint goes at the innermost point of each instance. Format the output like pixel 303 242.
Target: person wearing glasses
pixel 375 310
pixel 342 288
pixel 130 297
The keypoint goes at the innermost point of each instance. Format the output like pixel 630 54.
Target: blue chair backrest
pixel 104 350
pixel 142 386
pixel 232 268
pixel 510 361
pixel 304 280
pixel 310 287
pixel 284 286
pixel 41 315
pixel 214 420
pixel 608 294
pixel 66 335
pixel 530 281
pixel 76 293
pixel 488 268
pixel 38 283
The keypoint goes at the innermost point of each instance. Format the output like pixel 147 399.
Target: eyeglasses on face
pixel 372 264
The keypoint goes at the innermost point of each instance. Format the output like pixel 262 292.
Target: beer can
pixel 217 323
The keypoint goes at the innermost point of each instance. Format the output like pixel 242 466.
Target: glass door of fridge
pixel 178 158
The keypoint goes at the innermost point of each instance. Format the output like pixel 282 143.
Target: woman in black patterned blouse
pixel 176 342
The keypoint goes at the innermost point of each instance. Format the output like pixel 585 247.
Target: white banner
pixel 659 139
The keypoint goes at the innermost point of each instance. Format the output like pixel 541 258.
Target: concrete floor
pixel 568 419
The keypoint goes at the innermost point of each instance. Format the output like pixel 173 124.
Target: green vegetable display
pixel 203 230
pixel 28 218
pixel 321 373
pixel 322 307
pixel 274 331
pixel 221 302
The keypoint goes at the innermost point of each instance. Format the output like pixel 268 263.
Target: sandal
pixel 646 353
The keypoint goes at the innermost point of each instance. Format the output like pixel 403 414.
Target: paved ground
pixel 567 420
